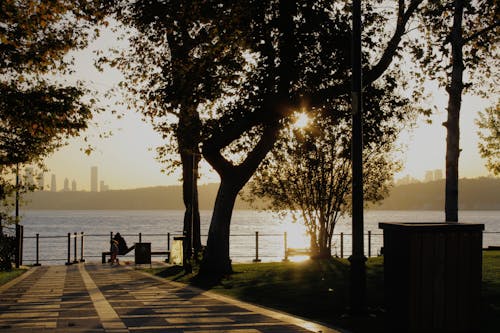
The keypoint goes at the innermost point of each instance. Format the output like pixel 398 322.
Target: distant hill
pixel 161 197
pixel 475 194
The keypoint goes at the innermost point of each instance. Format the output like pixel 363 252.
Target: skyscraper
pixel 438 174
pixel 53 186
pixel 429 176
pixel 93 179
pixel 73 185
pixel 66 185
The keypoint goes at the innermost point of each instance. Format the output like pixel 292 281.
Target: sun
pixel 301 120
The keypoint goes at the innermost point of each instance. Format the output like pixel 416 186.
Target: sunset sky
pixel 127 159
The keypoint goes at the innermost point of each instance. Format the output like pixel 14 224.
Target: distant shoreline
pixel 474 194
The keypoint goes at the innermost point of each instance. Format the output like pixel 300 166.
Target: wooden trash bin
pixel 432 276
pixel 142 253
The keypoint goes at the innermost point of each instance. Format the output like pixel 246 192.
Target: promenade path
pixel 103 298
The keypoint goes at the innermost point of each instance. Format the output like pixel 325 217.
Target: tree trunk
pixel 216 261
pixel 452 125
pixel 190 199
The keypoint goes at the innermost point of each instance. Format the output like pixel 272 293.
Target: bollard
pixel 37 263
pixel 140 237
pixel 369 243
pixel 256 247
pixel 81 248
pixel 285 242
pixel 69 250
pixel 341 245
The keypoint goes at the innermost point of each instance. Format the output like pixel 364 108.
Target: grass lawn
pixel 7 276
pixel 319 290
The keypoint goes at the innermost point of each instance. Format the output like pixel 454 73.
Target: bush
pixel 7 251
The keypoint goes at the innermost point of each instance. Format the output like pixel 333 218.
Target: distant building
pixel 66 185
pixel 438 174
pixel 429 176
pixel 93 179
pixel 406 180
pixel 103 187
pixel 53 186
pixel 73 185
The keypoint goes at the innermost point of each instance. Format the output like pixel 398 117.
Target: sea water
pixel 154 226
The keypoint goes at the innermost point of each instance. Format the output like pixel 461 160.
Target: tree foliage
pixel 310 175
pixel 462 38
pixel 238 70
pixel 489 133
pixel 36 114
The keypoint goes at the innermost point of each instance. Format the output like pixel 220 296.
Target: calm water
pixel 53 226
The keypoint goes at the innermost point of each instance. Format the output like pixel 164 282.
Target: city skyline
pixel 102 187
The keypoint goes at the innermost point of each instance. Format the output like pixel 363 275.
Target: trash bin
pixel 142 253
pixel 177 251
pixel 432 276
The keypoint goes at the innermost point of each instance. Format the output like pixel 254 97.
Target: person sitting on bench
pixel 122 245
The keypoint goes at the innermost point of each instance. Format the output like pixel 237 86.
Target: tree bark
pixel 190 199
pixel 452 124
pixel 216 261
pixel 188 138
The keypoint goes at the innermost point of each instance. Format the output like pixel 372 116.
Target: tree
pixel 37 115
pixel 489 133
pixel 472 50
pixel 170 72
pixel 310 176
pixel 244 67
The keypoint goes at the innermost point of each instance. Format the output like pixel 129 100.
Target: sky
pixel 126 160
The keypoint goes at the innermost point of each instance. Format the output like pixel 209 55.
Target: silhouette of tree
pixel 489 147
pixel 36 115
pixel 238 71
pixel 310 175
pixel 462 36
pixel 178 62
pixel 301 60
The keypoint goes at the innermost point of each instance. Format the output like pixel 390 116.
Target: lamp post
pixel 357 259
pixel 192 207
pixel 17 193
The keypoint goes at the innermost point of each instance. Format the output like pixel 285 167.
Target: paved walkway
pixel 101 298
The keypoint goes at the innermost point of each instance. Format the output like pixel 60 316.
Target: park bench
pixel 292 252
pixel 153 253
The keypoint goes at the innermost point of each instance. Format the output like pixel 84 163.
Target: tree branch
pixel 479 33
pixel 321 96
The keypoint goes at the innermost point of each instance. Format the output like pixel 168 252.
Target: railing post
pixel 75 261
pixel 37 263
pixel 341 245
pixel 168 241
pixel 256 247
pixel 369 243
pixel 285 243
pixel 140 237
pixel 81 248
pixel 69 249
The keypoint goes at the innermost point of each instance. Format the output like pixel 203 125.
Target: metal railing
pixel 273 247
